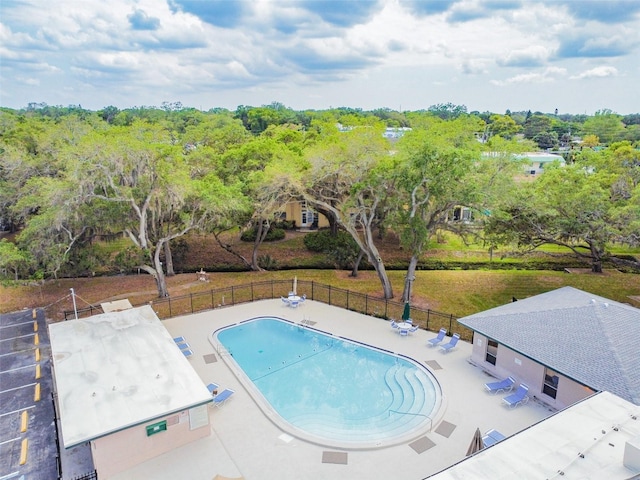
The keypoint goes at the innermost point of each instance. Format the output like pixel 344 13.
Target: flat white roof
pixel 586 440
pixel 116 370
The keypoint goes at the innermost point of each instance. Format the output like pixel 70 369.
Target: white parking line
pixel 9 441
pixel 16 324
pixel 18 388
pixel 18 368
pixel 19 336
pixel 19 351
pixel 17 411
pixel 11 475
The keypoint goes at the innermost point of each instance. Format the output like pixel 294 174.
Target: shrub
pixel 342 248
pixel 272 235
pixel 266 262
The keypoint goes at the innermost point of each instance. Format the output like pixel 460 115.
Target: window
pixel 492 352
pixel 551 379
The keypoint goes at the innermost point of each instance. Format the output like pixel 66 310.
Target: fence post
pixel 428 315
pixel 170 314
pixel 191 300
pixel 348 299
pixel 386 308
pixel 252 291
pixel 451 322
pixel 213 305
pixel 233 297
pixel 366 304
pixel 329 294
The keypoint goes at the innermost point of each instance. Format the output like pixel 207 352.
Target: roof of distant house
pixel 588 338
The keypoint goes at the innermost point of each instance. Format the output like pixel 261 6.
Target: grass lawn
pixel 458 292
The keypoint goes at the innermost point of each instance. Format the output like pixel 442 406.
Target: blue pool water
pixel 332 389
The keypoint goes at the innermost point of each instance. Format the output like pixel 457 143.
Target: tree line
pixel 68 175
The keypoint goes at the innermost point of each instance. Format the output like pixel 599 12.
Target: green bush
pixel 272 235
pixel 323 241
pixel 266 262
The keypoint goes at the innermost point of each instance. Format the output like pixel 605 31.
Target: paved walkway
pixel 244 442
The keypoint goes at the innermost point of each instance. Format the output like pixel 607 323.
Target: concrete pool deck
pixel 245 443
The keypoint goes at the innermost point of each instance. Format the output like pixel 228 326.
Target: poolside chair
pixel 492 437
pixel 452 343
pixel 285 300
pixel 435 341
pixel 221 398
pixel 403 332
pixel 413 329
pixel 179 339
pixel 294 303
pixel 503 386
pixel 186 352
pixel 394 324
pixel 520 397
pixel 183 346
pixel 212 387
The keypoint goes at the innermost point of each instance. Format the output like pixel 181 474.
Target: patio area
pixel 246 443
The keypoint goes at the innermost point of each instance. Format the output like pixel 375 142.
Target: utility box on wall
pixel 156 428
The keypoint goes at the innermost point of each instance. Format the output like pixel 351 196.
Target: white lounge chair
pixel 492 437
pixel 221 398
pixel 452 343
pixel 435 341
pixel 212 387
pixel 503 386
pixel 520 397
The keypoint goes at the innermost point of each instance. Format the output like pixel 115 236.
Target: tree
pixel 572 207
pixel 430 182
pixel 348 177
pixel 606 125
pixel 139 171
pixel 11 257
pixel 536 124
pixel 504 126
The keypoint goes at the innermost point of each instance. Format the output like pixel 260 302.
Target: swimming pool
pixel 332 390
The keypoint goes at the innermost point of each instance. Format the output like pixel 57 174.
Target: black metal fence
pixel 251 292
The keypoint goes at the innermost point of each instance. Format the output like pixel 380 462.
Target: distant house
pixel 565 345
pixel 124 386
pixel 535 162
pixel 304 216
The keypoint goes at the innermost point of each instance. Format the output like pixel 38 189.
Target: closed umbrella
pixel 295 285
pixel 406 314
pixel 476 444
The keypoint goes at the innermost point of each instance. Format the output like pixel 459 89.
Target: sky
pixel 576 56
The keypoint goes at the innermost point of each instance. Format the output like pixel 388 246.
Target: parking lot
pixel 27 427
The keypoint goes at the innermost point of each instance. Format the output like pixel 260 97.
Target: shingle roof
pixel 591 339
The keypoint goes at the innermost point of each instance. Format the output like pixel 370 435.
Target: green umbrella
pixel 406 314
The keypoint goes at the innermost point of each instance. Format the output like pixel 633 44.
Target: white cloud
pixel 549 74
pixel 598 72
pixel 154 52
pixel 533 55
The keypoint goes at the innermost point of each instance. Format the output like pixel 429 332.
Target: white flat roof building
pixel 117 370
pixel 598 437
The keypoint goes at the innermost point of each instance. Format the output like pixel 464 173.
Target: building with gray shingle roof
pixel 564 344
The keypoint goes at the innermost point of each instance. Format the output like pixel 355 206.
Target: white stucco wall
pixel 122 450
pixel 525 370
